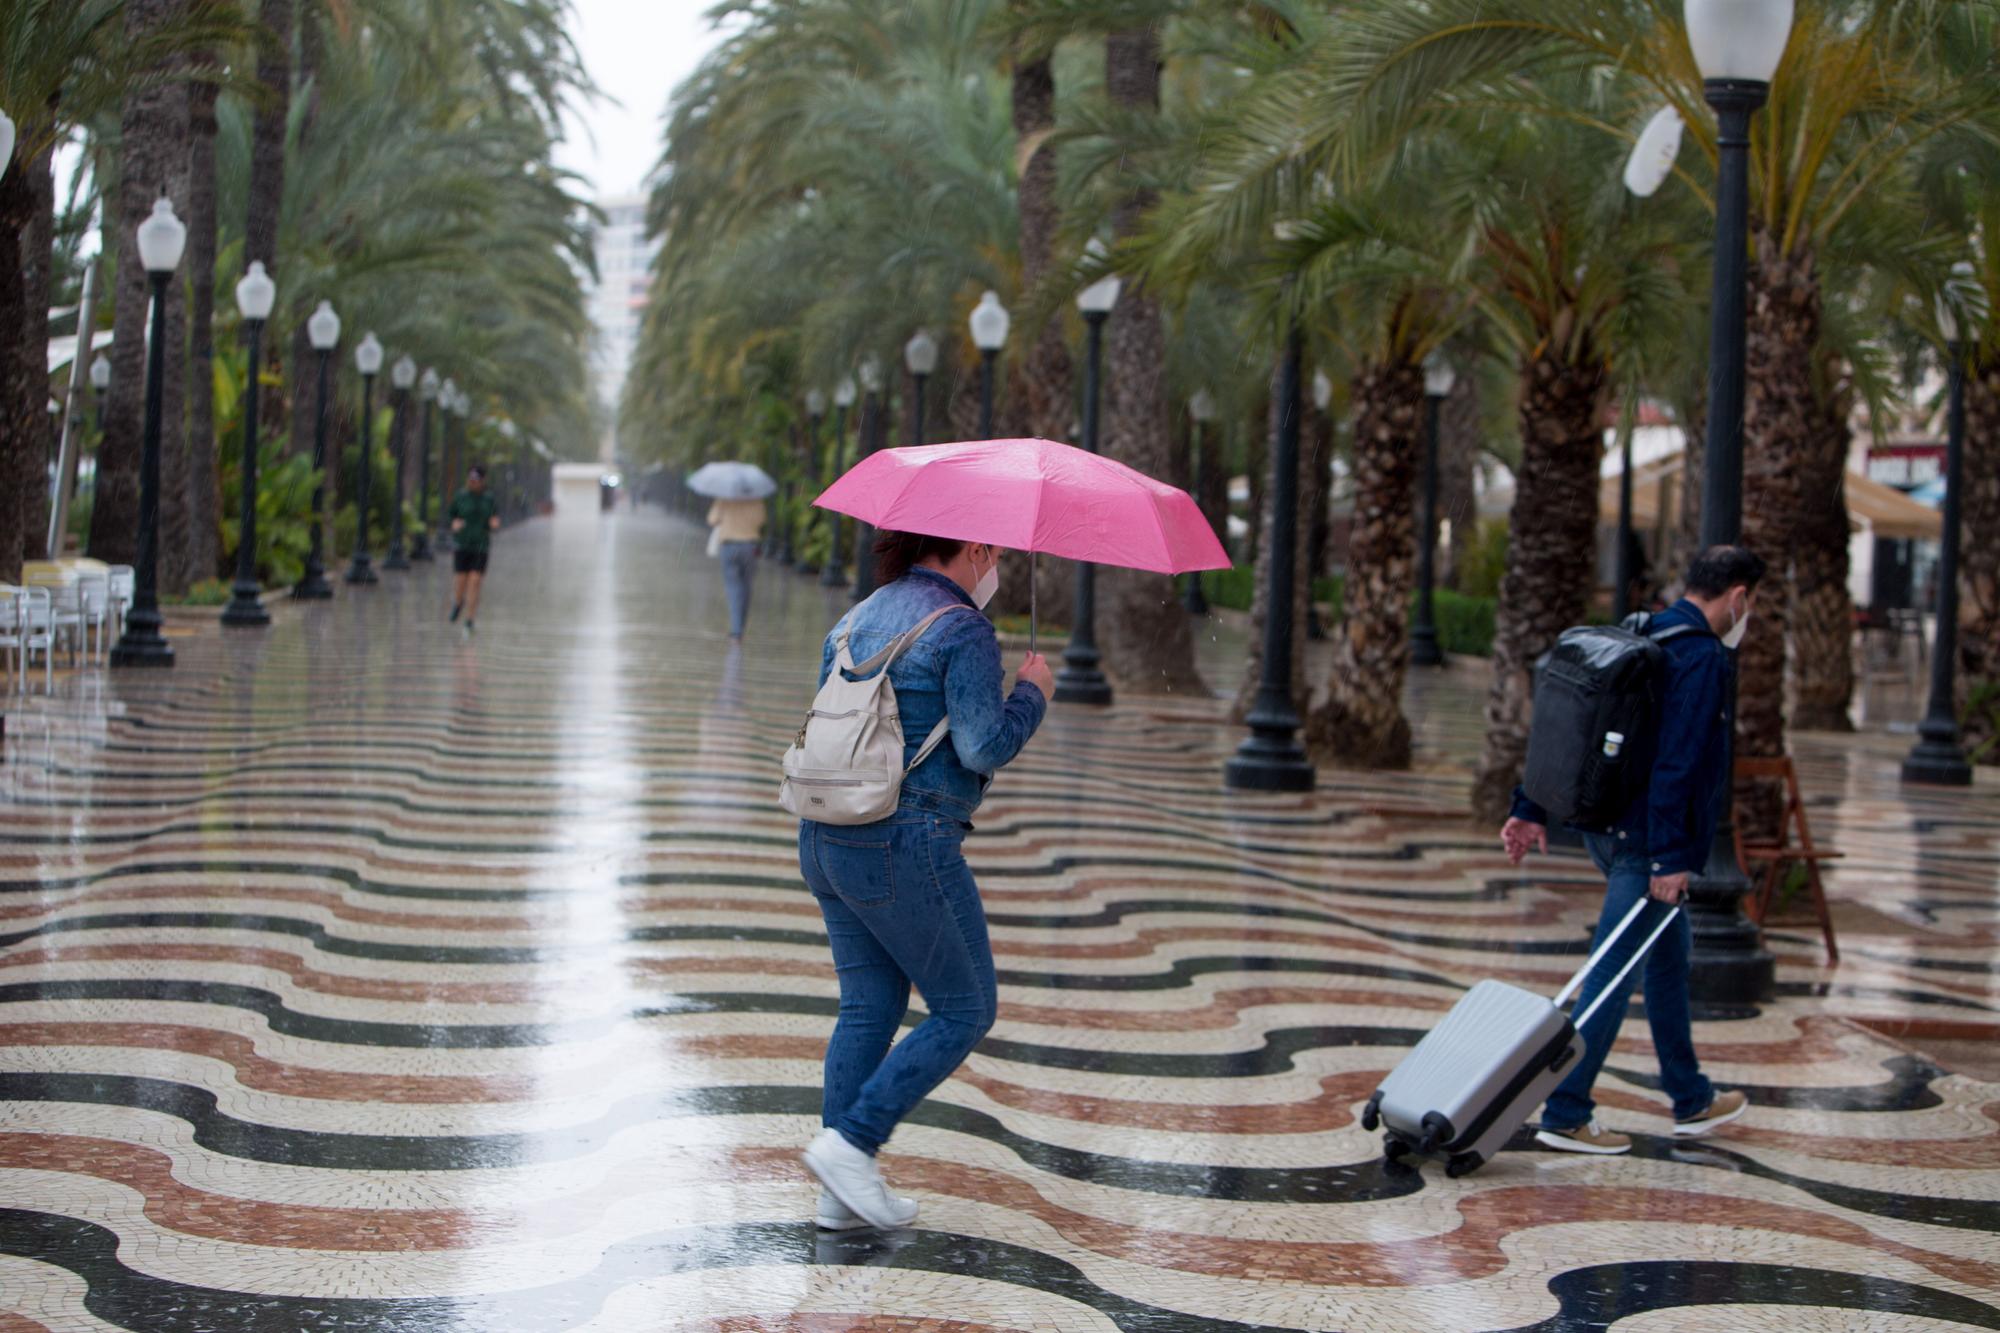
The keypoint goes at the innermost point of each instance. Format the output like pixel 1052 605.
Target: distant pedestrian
pixel 475 517
pixel 737 527
pixel 1655 847
pixel 899 901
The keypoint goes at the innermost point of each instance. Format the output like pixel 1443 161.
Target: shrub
pixel 209 592
pixel 1464 623
pixel 1479 575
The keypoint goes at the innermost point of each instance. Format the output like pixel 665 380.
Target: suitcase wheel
pixel 1463 1164
pixel 1371 1115
pixel 1395 1147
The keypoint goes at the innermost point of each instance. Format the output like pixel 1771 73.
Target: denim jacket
pixel 954 669
pixel 1673 820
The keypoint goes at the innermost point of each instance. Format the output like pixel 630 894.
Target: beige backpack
pixel 846 764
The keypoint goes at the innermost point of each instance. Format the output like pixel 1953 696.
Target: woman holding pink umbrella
pixel 900 904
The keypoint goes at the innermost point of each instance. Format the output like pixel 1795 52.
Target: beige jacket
pixel 738 520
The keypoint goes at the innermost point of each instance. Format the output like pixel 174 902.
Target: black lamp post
pixel 367 360
pixel 450 404
pixel 255 295
pixel 833 574
pixel 1201 408
pixel 990 322
pixel 871 436
pixel 1424 651
pixel 161 240
pixel 428 389
pixel 323 332
pixel 920 356
pixel 403 376
pixel 1627 572
pixel 1081 681
pixel 1270 758
pixel 1737 47
pixel 1938 759
pixel 815 417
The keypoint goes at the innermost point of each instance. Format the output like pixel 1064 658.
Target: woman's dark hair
pixel 897 552
pixel 1720 568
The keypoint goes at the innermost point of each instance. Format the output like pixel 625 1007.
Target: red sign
pixel 1906 464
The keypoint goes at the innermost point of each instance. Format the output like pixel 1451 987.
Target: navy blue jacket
pixel 1672 821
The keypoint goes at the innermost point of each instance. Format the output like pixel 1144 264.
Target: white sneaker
pixel 849 1175
pixel 834 1215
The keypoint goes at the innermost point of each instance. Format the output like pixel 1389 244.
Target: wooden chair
pixel 1766 862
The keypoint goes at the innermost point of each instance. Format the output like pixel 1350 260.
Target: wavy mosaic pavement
pixel 357 976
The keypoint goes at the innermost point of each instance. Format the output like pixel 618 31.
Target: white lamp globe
pixel 1653 155
pixel 920 353
pixel 1322 390
pixel 1739 39
pixel 1099 296
pixel 323 328
pixel 990 322
pixel 256 293
pixel 100 373
pixel 843 392
pixel 871 374
pixel 404 373
pixel 368 355
pixel 815 403
pixel 1439 377
pixel 1202 406
pixel 6 141
pixel 427 387
pixel 162 238
pixel 447 394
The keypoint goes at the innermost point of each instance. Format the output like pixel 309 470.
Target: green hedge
pixel 1464 624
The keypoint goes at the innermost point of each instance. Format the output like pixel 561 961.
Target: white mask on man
pixel 1738 627
pixel 989 583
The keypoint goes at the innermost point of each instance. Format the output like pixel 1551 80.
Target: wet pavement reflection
pixel 358 974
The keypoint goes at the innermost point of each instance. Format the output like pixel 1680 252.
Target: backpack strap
pixel 901 644
pixel 1672 632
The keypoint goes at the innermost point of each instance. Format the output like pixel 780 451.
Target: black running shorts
pixel 468 562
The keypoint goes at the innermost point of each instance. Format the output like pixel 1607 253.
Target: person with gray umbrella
pixel 736 525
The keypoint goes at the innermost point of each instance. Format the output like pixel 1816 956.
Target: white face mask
pixel 1738 627
pixel 989 583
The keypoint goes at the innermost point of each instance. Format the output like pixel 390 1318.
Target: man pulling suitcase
pixel 1671 786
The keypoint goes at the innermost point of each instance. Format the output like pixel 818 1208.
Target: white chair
pixel 10 633
pixel 124 587
pixel 95 594
pixel 34 628
pixel 66 614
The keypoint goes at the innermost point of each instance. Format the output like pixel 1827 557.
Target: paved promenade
pixel 357 976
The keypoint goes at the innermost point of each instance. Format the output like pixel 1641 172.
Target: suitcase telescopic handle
pixel 1576 982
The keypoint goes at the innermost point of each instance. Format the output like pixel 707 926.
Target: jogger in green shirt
pixel 475 517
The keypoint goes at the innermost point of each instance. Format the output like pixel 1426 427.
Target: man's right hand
pixel 1035 670
pixel 1520 837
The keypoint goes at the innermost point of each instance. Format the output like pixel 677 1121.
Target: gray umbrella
pixel 732 481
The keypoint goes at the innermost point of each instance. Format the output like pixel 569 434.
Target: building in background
pixel 618 305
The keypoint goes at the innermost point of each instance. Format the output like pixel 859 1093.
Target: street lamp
pixel 6 142
pixel 255 295
pixel 920 355
pixel 1201 408
pixel 990 322
pixel 1938 759
pixel 161 240
pixel 871 435
pixel 1270 758
pixel 1737 44
pixel 1439 378
pixel 100 383
pixel 815 416
pixel 323 332
pixel 403 376
pixel 367 360
pixel 428 389
pixel 833 574
pixel 1081 681
pixel 448 398
pixel 1316 534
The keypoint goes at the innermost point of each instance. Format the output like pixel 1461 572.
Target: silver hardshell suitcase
pixel 1475 1077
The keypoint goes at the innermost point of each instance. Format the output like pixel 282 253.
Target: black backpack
pixel 1597 700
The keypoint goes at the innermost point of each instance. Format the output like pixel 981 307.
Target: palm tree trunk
pixel 1684 542
pixel 1148 641
pixel 1041 398
pixel 145 147
pixel 25 190
pixel 1315 490
pixel 299 357
pixel 1551 558
pixel 1459 424
pixel 204 483
pixel 1260 605
pixel 267 166
pixel 1979 563
pixel 177 572
pixel 1363 724
pixel 1822 608
pixel 1779 410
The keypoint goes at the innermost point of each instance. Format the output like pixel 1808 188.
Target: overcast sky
pixel 636 51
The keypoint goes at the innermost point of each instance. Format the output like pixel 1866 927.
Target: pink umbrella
pixel 1031 495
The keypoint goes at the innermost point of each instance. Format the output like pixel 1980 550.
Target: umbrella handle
pixel 1033 610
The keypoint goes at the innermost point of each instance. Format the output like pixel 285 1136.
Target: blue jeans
pixel 900 909
pixel 739 567
pixel 1665 972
